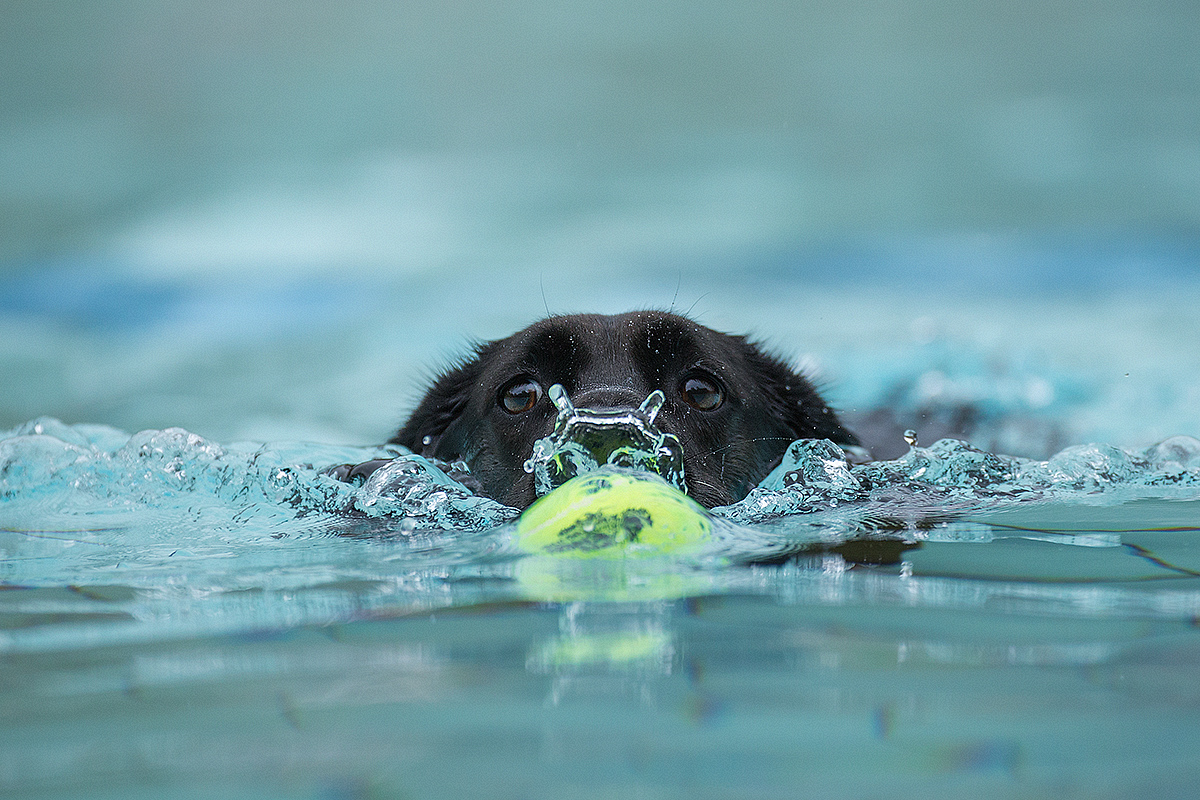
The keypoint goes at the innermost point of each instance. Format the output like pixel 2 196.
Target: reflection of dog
pixel 734 408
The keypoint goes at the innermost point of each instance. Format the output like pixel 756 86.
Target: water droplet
pixel 652 405
pixel 910 436
pixel 558 396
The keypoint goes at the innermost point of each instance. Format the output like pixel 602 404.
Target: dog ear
pixel 442 405
pixel 796 401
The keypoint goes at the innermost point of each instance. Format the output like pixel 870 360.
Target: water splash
pixel 584 440
pixel 952 476
pixel 92 469
pixel 88 473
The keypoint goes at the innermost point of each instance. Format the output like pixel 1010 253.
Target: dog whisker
pixel 715 450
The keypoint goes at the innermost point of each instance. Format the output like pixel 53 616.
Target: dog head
pixel 733 407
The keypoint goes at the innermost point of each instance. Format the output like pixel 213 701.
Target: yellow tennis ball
pixel 612 513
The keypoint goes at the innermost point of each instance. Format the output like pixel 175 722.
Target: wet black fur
pixel 614 362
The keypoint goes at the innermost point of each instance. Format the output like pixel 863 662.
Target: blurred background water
pixel 270 220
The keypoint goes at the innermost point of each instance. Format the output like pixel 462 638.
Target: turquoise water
pixel 195 611
pixel 185 618
pixel 236 239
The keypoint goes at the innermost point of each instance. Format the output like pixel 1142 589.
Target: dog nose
pixel 586 438
pixel 607 398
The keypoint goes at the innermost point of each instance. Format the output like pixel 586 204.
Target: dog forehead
pixel 554 341
pixel 567 347
pixel 552 348
pixel 598 335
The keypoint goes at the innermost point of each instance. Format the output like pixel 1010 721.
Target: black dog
pixel 733 407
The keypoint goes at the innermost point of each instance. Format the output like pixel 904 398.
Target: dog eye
pixel 701 392
pixel 520 395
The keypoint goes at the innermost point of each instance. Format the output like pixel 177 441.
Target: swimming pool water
pixel 196 611
pixel 189 609
pixel 188 619
pixel 957 678
pixel 237 238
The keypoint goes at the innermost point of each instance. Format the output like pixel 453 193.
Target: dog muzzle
pixel 584 440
